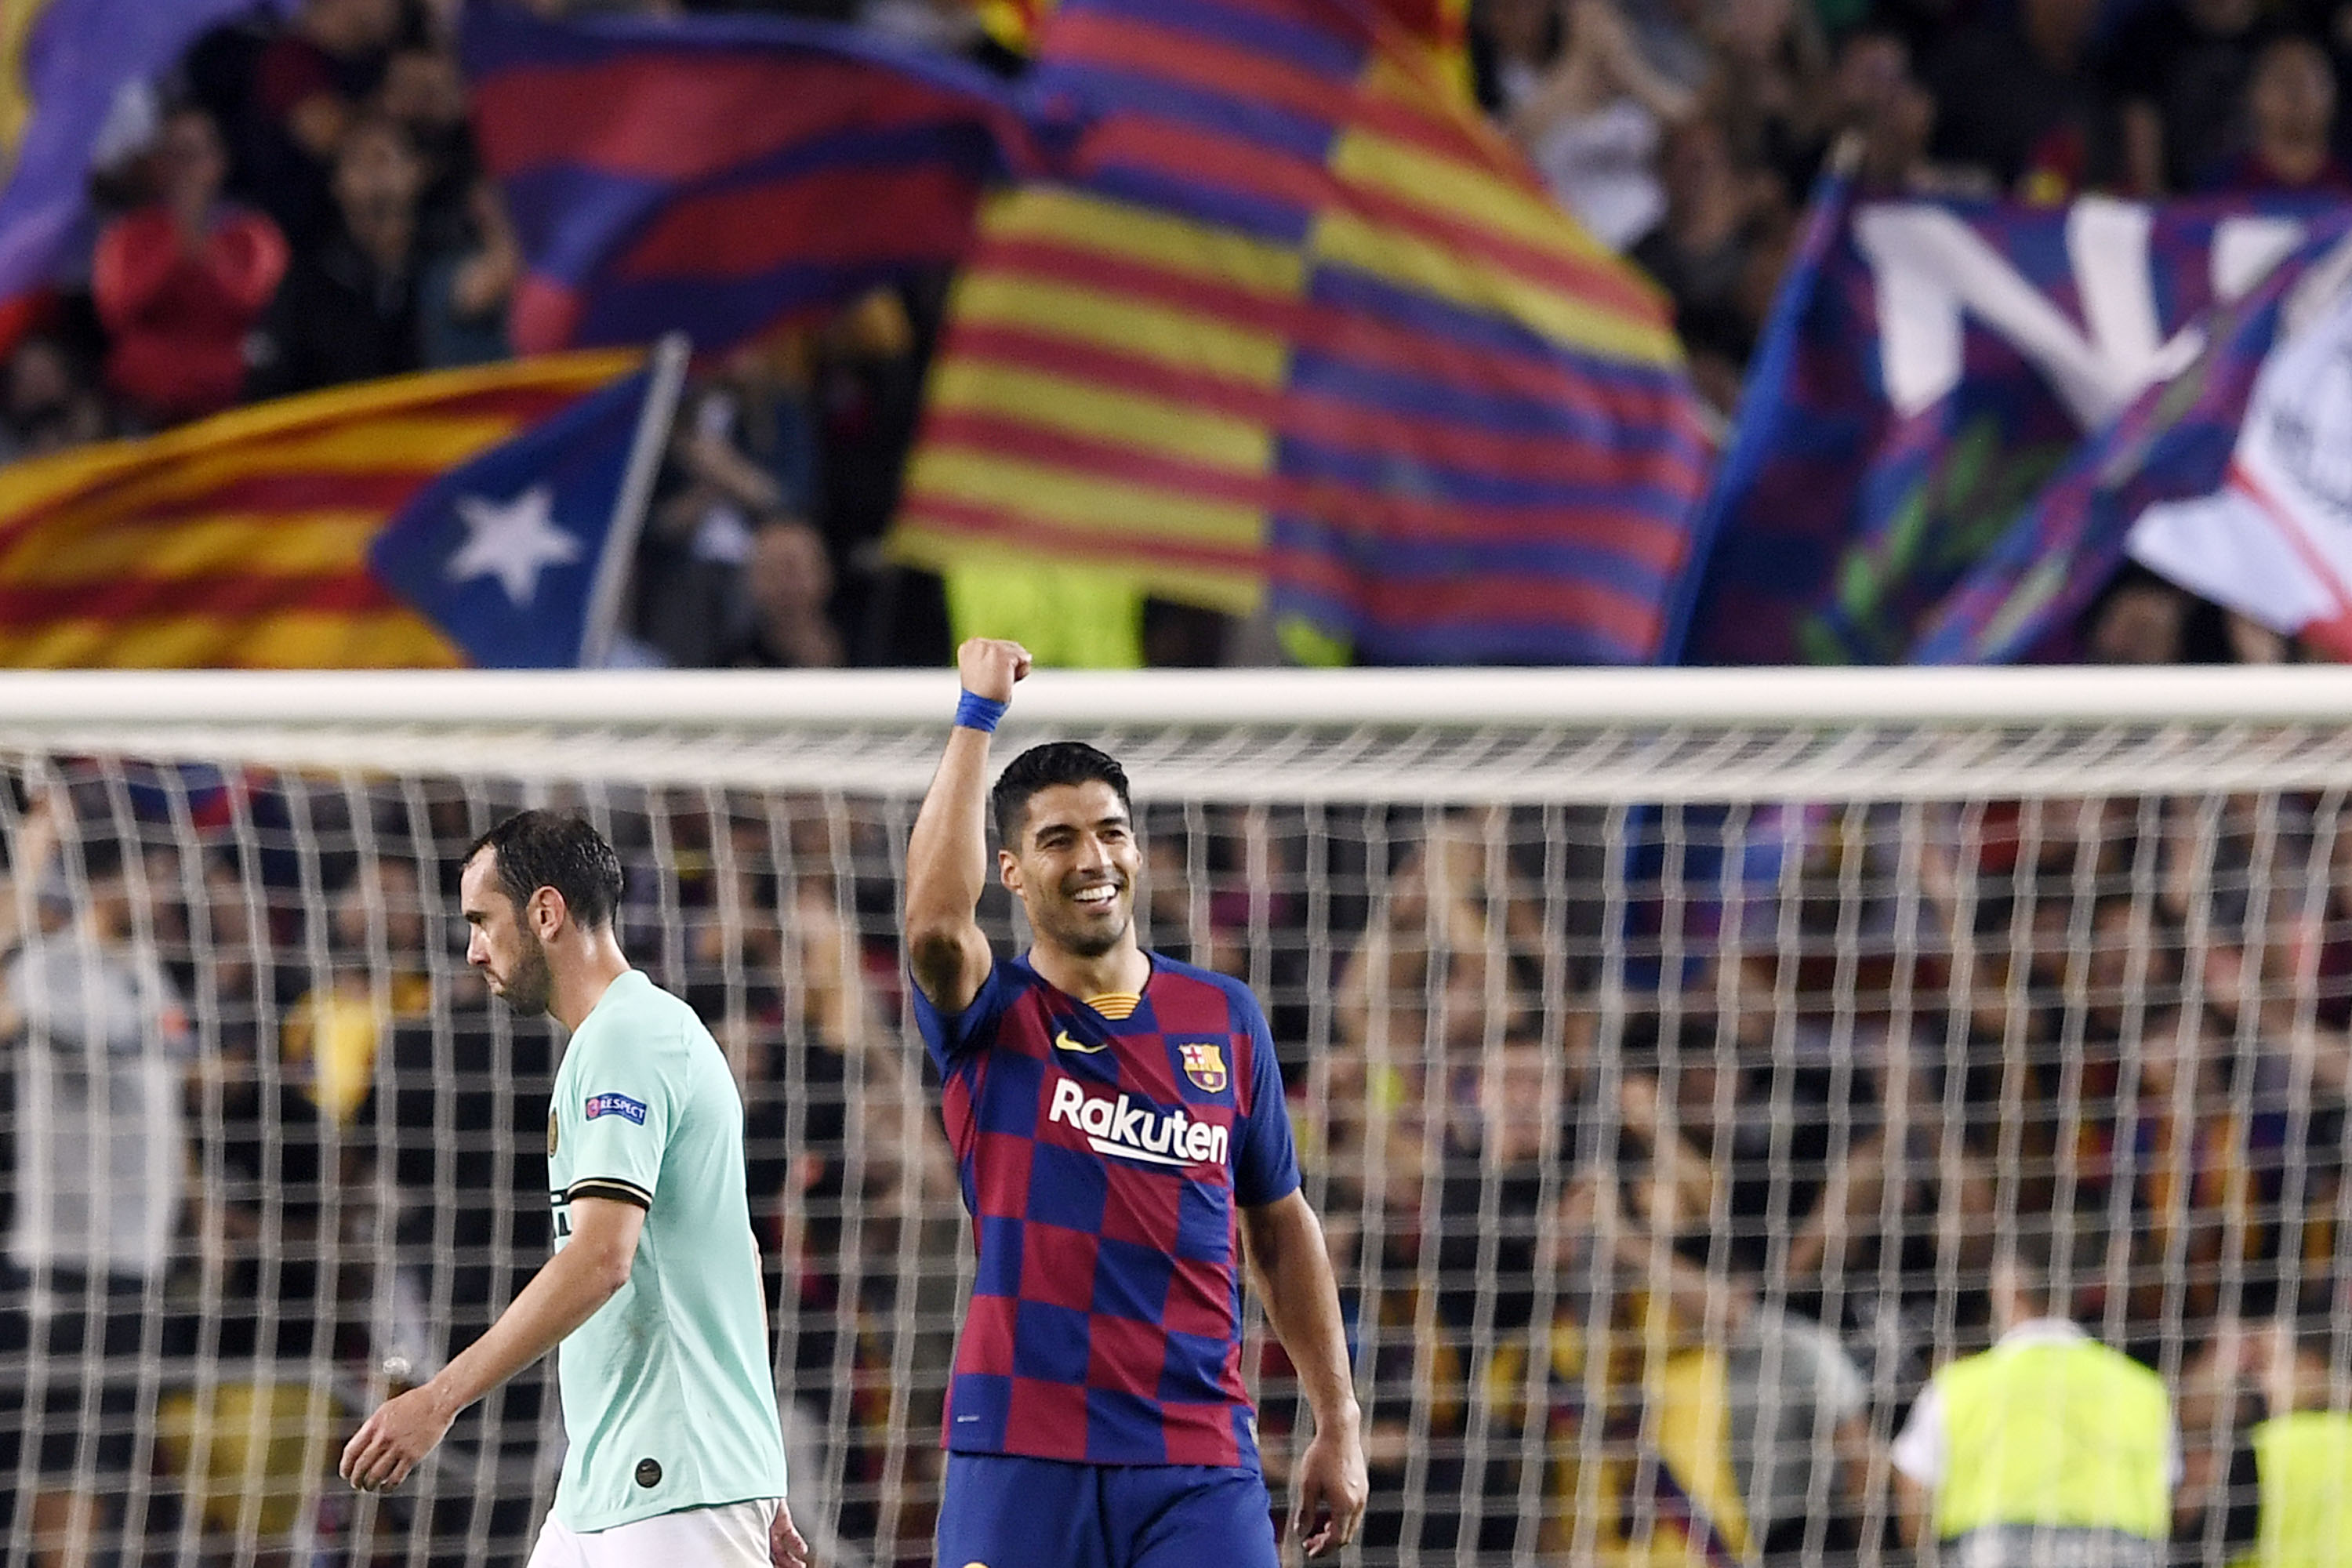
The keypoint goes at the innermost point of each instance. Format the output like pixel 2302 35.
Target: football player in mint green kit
pixel 677 1453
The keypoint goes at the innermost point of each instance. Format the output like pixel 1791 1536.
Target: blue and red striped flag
pixel 2024 599
pixel 1930 366
pixel 1292 319
pixel 718 176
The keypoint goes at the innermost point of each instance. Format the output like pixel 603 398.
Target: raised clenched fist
pixel 990 666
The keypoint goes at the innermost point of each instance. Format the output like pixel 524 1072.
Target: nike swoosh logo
pixel 1062 1042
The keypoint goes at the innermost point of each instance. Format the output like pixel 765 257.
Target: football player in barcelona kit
pixel 1124 1149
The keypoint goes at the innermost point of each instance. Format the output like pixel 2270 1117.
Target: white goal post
pixel 1670 1052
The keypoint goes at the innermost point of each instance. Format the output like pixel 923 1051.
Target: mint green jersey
pixel 668 1399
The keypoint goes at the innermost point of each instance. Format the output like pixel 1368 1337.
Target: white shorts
pixel 732 1535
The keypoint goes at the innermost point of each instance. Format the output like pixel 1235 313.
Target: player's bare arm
pixel 565 1294
pixel 946 856
pixel 1293 1271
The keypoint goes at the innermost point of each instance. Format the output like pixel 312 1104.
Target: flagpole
pixel 670 357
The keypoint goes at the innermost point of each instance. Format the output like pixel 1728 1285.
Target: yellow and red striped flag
pixel 1292 322
pixel 243 540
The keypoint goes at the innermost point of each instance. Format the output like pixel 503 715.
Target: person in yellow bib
pixel 2048 1448
pixel 2303 1453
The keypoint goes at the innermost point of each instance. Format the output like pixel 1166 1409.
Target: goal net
pixel 1670 1056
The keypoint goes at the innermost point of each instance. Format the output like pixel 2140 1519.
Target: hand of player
pixel 785 1547
pixel 1332 1489
pixel 389 1443
pixel 990 666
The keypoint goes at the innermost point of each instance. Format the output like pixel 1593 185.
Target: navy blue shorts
pixel 1004 1511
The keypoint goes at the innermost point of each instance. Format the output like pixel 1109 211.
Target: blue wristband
pixel 978 712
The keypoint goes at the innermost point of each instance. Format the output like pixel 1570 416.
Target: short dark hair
pixel 2043 1256
pixel 535 849
pixel 1042 767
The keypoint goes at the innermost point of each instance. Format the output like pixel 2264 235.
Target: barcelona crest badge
pixel 1204 1064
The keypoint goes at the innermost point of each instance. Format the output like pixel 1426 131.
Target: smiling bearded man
pixel 1118 1118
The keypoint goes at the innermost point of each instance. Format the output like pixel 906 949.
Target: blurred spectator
pixel 308 88
pixel 422 90
pixel 463 296
pixel 375 976
pixel 1800 1434
pixel 2140 618
pixel 1796 1434
pixel 1700 255
pixel 2289 117
pixel 788 582
pixel 52 400
pixel 1665 1103
pixel 180 282
pixel 864 396
pixel 1767 94
pixel 729 572
pixel 1674 37
pixel 1881 120
pixel 475 261
pixel 1500 1175
pixel 763 390
pixel 1527 1117
pixel 1775 1125
pixel 1452 952
pixel 2179 70
pixel 248 1113
pixel 2015 99
pixel 1511 42
pixel 1686 1420
pixel 101 1043
pixel 1450 961
pixel 1573 88
pixel 282 1197
pixel 348 311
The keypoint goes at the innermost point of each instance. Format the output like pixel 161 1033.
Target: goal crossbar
pixel 1575 737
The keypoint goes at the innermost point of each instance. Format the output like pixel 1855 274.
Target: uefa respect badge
pixel 616 1105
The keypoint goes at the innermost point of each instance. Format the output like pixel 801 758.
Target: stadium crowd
pixel 298 205
pixel 1565 1204
pixel 1763 1176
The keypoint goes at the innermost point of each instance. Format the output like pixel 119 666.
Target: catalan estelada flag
pixel 715 176
pixel 1292 319
pixel 251 539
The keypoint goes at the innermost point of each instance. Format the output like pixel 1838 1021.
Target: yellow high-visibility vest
pixel 2305 1461
pixel 2066 1433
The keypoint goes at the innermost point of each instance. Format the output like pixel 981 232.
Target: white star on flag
pixel 513 543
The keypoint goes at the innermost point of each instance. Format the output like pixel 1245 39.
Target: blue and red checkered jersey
pixel 1103 1147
